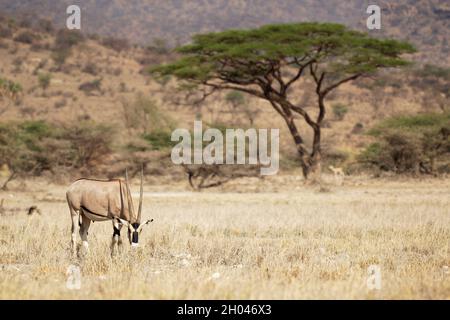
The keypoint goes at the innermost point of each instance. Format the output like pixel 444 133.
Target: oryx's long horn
pixel 141 195
pixel 129 198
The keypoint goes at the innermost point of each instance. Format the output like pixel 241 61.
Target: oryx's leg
pixel 74 216
pixel 116 238
pixel 84 228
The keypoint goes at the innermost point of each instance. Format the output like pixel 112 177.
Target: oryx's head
pixel 134 224
pixel 134 229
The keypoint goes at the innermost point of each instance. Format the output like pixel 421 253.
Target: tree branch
pixel 337 84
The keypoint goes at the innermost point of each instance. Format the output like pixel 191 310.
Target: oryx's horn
pixel 129 198
pixel 141 195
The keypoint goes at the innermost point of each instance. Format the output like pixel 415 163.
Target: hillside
pixel 423 22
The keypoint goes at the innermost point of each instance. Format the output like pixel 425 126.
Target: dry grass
pixel 300 245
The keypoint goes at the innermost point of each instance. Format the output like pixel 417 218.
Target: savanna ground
pixel 275 239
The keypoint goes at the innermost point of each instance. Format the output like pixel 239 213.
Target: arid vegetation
pixel 84 105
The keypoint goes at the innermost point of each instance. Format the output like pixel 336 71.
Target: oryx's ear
pixel 139 229
pixel 122 221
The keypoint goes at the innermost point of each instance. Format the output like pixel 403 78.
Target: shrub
pixel 90 68
pixel 9 88
pixel 27 37
pixel 91 86
pixel 44 80
pixel 423 122
pixel 410 144
pixel 60 56
pixel 145 115
pixel 235 98
pixel 89 143
pixel 45 25
pixel 117 44
pixel 5 31
pixel 357 128
pixel 35 146
pixel 66 39
pixel 159 46
pixel 339 111
pixel 159 139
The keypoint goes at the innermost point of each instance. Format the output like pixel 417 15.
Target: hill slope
pixel 423 22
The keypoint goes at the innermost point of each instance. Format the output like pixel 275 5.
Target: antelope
pixel 92 200
pixel 337 171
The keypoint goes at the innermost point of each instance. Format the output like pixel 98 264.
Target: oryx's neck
pixel 127 206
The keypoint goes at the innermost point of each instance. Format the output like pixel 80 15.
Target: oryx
pixel 101 200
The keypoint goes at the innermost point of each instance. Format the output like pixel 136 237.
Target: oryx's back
pixel 97 196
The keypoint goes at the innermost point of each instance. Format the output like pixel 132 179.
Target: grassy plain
pixel 272 239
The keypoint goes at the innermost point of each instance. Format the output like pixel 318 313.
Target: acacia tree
pixel 267 62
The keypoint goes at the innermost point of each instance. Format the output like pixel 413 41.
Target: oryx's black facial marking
pixel 135 235
pixel 116 232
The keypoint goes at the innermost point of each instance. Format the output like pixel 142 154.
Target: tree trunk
pixel 299 144
pixel 315 169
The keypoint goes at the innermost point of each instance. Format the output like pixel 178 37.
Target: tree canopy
pixel 245 54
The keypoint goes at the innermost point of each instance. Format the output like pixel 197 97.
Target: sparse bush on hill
pixel 60 56
pixel 145 115
pixel 91 68
pixel 5 31
pixel 90 86
pixel 433 80
pixel 159 139
pixel 159 46
pixel 27 37
pixel 117 44
pixel 410 144
pixel 44 80
pixel 9 89
pixel 339 111
pixel 45 25
pixel 358 128
pixel 64 41
pixel 240 108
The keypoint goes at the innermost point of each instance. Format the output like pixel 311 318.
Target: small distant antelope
pixel 101 200
pixel 338 172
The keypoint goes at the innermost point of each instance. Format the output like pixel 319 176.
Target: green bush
pixel 339 111
pixel 410 144
pixel 145 115
pixel 60 56
pixel 159 140
pixel 235 98
pixel 422 123
pixel 44 80
pixel 35 146
pixel 8 87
